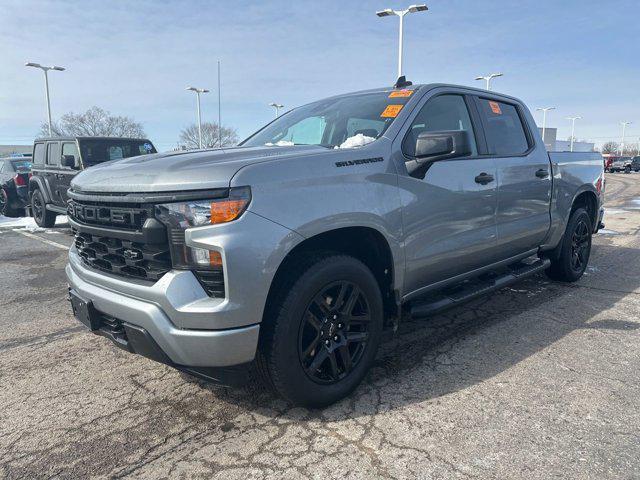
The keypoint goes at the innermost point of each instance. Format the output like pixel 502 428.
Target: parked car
pixel 620 164
pixel 293 251
pixel 57 160
pixel 635 164
pixel 14 181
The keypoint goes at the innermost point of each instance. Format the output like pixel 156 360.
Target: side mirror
pixel 433 146
pixel 68 161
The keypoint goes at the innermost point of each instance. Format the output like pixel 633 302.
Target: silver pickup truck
pixel 291 253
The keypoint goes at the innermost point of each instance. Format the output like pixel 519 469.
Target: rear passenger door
pixel 524 176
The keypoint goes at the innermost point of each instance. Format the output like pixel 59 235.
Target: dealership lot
pixel 536 381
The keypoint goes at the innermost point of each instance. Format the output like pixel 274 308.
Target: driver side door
pixel 449 213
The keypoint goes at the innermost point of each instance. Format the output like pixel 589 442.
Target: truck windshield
pixel 98 150
pixel 347 121
pixel 21 165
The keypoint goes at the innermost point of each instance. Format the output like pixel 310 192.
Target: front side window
pixel 440 114
pixel 503 128
pixel 331 122
pixel 70 149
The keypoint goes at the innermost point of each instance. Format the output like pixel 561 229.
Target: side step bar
pixel 451 297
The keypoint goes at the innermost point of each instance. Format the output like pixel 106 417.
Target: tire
pixel 574 249
pixel 312 357
pixel 627 169
pixel 44 218
pixel 5 205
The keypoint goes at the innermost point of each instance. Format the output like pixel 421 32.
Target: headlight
pixel 196 213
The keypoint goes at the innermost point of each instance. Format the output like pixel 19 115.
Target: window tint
pixel 442 113
pixel 38 154
pixel 72 150
pixel 53 154
pixel 503 128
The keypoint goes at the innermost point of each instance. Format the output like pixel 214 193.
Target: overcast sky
pixel 135 58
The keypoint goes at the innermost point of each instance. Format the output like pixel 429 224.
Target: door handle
pixel 484 178
pixel 542 173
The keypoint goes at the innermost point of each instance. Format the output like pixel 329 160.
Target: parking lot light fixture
pixel 624 128
pixel 544 120
pixel 573 129
pixel 45 69
pixel 277 106
pixel 387 12
pixel 198 91
pixel 488 78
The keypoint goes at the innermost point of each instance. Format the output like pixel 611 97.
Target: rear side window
pixel 38 154
pixel 503 128
pixel 53 154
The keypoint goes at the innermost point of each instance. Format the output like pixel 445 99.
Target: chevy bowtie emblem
pixel 132 254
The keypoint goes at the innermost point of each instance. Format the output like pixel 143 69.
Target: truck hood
pixel 172 171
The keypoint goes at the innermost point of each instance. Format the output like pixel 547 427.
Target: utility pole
pixel 573 129
pixel 544 120
pixel 624 127
pixel 46 86
pixel 488 78
pixel 198 91
pixel 219 110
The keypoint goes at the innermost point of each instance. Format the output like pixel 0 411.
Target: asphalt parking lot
pixel 540 380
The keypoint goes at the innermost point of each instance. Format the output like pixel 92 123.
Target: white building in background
pixel 555 145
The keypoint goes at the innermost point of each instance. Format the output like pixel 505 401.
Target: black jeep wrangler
pixel 57 160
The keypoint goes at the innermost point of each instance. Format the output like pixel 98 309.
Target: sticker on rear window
pixel 400 93
pixel 391 111
pixel 495 108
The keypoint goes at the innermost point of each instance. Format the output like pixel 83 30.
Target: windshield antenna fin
pixel 402 82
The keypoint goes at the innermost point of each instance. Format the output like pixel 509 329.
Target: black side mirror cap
pixel 68 161
pixel 435 146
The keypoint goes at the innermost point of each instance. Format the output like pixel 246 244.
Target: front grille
pixel 123 257
pixel 129 216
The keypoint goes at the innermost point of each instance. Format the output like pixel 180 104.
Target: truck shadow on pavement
pixel 470 344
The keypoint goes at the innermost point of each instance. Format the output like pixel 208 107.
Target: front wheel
pixel 575 249
pixel 627 169
pixel 43 217
pixel 323 332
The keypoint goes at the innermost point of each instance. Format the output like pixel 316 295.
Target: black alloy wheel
pixel 580 246
pixel 334 332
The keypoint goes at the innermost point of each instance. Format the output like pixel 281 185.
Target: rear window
pixel 103 150
pixel 21 165
pixel 38 154
pixel 503 128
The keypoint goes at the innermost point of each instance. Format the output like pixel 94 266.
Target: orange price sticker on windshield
pixel 495 108
pixel 400 94
pixel 391 111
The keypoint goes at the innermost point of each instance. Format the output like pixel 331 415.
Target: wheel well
pixel 589 202
pixel 364 243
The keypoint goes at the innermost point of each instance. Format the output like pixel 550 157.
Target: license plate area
pixel 83 310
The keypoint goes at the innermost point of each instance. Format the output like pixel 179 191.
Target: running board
pixel 451 297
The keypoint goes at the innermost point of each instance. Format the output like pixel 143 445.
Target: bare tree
pixel 610 147
pixel 95 122
pixel 210 138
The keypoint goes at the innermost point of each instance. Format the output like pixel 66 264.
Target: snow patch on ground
pixel 604 231
pixel 358 140
pixel 614 211
pixel 28 224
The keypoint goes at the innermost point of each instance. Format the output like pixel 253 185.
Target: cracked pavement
pixel 537 381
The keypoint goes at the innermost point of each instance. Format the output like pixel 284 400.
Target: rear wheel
pixel 5 204
pixel 575 248
pixel 627 169
pixel 43 217
pixel 323 333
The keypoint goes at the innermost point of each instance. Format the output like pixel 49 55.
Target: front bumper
pixel 151 309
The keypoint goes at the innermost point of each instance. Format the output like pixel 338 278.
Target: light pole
pixel 401 13
pixel 45 69
pixel 544 120
pixel 198 92
pixel 488 79
pixel 277 106
pixel 573 129
pixel 624 127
